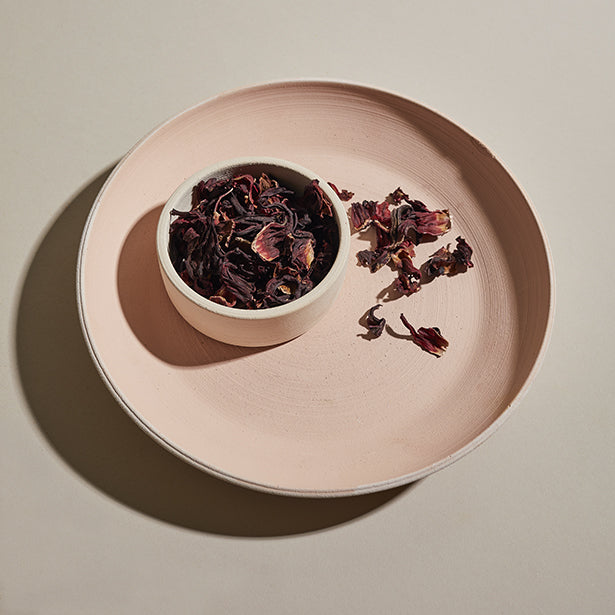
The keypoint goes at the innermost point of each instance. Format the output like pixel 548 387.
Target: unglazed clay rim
pixel 278 490
pixel 337 268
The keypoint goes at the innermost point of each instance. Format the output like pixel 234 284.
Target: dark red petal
pixel 397 196
pixel 266 240
pixel 407 284
pixel 375 325
pixel 316 201
pixel 434 223
pixel 360 215
pixel 440 263
pixel 344 195
pixel 463 253
pixel 374 259
pixel 429 339
pixel 302 252
pixel 234 281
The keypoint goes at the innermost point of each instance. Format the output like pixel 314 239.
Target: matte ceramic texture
pixel 264 327
pixel 329 413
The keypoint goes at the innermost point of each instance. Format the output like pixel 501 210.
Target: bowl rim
pixel 337 268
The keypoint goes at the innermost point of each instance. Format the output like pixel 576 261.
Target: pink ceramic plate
pixel 329 413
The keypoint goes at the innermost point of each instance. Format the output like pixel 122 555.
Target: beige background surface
pixel 96 518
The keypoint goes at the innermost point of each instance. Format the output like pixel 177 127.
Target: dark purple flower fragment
pixel 302 250
pixel 418 205
pixel 316 201
pixel 285 287
pixel 411 222
pixel 374 259
pixel 235 283
pixel 445 262
pixel 463 253
pixel 408 279
pixel 440 263
pixel 375 325
pixel 429 339
pixel 360 215
pixel 434 223
pixel 369 213
pixel 343 195
pixel 407 283
pixel 397 196
pixel 266 241
pixel 250 243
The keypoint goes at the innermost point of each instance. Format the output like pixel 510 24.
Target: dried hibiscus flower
pixel 375 325
pixel 445 262
pixel 429 339
pixel 252 243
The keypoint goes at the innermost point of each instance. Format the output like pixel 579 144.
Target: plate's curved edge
pixel 361 489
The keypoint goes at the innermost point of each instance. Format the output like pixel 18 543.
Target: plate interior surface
pixel 329 413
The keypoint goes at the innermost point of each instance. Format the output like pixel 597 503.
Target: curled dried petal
pixel 235 283
pixel 360 215
pixel 463 253
pixel 397 196
pixel 266 240
pixel 445 262
pixel 407 283
pixel 440 263
pixel 408 279
pixel 428 338
pixel 366 213
pixel 302 251
pixel 285 288
pixel 375 325
pixel 344 195
pixel 434 223
pixel 409 223
pixel 316 201
pixel 374 259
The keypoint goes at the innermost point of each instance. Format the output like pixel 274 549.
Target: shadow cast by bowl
pixel 86 427
pixel 149 311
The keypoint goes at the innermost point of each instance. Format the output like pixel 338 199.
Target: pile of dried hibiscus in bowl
pixel 250 243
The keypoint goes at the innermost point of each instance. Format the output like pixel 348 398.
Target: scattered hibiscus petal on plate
pixel 428 338
pixel 375 325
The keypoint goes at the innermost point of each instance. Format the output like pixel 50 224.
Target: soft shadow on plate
pixel 96 438
pixel 146 305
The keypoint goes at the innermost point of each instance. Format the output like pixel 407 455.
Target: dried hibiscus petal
pixel 429 339
pixel 375 325
pixel 440 263
pixel 316 200
pixel 445 262
pixel 397 196
pixel 463 253
pixel 302 250
pixel 367 213
pixel 374 259
pixel 266 241
pixel 408 221
pixel 344 195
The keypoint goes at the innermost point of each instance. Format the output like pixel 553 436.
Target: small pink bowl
pixel 259 327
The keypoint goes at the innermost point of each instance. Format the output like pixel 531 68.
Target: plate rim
pixel 277 489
